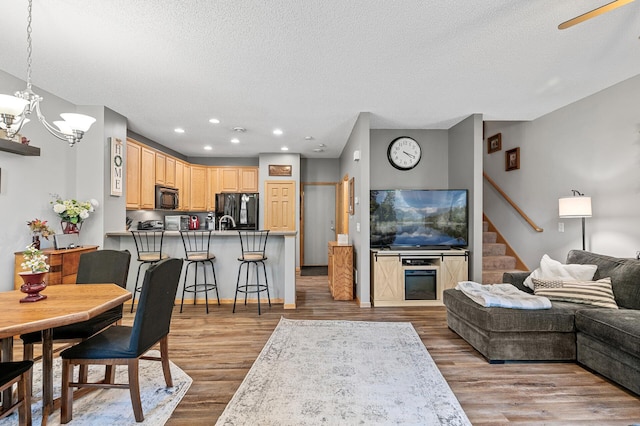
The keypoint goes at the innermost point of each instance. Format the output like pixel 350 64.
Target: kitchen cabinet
pixel 63 265
pixel 248 177
pixel 198 197
pixel 213 187
pixel 228 179
pixel 147 178
pixel 170 172
pixel 161 164
pixel 185 198
pixel 340 271
pixel 133 175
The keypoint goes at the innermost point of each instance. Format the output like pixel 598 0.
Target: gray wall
pixel 593 146
pixel 319 170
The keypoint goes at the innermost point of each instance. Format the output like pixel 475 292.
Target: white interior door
pixel 319 222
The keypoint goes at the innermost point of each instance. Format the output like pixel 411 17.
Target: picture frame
pixel 351 196
pixel 279 170
pixel 512 159
pixel 494 143
pixel 117 155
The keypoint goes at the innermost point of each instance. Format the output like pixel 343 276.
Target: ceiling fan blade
pixel 592 14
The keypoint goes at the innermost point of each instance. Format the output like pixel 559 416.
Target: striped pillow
pixel 597 293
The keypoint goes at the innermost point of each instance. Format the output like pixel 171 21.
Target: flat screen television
pixel 419 218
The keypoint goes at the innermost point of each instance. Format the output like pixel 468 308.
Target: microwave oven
pixel 176 223
pixel 166 198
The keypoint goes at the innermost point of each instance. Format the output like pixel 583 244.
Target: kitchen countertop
pixel 214 233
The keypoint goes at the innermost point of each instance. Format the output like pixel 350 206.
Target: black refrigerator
pixel 242 207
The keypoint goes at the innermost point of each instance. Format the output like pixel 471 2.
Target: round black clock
pixel 404 153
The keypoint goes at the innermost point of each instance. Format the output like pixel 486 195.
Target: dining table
pixel 65 304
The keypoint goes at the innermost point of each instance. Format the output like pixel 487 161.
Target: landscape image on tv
pixel 419 218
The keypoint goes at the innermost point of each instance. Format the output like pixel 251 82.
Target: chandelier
pixel 14 110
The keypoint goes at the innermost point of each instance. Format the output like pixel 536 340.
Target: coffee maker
pixel 211 221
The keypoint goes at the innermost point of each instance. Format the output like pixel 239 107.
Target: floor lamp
pixel 577 206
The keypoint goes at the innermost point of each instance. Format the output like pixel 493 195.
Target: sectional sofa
pixel 605 340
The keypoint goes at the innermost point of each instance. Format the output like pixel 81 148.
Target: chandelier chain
pixel 29 48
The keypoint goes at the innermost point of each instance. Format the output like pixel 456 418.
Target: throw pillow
pixel 597 293
pixel 552 269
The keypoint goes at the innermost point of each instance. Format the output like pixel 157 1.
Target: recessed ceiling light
pixel 284 148
pixel 208 147
pixel 239 129
pixel 321 145
pixel 235 140
pixel 318 150
pixel 308 138
pixel 178 130
pixel 277 132
pixel 214 121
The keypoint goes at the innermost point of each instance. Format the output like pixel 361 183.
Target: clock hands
pixel 410 155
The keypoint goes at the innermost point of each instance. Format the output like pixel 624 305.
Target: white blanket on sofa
pixel 502 296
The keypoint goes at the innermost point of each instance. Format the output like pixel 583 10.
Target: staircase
pixel 497 256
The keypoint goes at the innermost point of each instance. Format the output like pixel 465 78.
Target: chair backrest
pixel 148 244
pixel 196 243
pixel 104 266
pixel 253 243
pixel 153 317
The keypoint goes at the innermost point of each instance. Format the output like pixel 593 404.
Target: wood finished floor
pixel 218 349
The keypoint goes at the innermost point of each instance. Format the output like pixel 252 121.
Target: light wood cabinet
pixel 63 265
pixel 340 271
pixel 213 187
pixel 228 179
pixel 280 205
pixel 198 198
pixel 248 177
pixel 170 172
pixel 133 175
pixel 185 203
pixel 389 267
pixel 147 178
pixel 161 163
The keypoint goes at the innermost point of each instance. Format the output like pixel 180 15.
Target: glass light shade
pixel 572 207
pixel 79 122
pixel 64 127
pixel 12 105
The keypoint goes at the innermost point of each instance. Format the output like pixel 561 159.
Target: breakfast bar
pixel 280 252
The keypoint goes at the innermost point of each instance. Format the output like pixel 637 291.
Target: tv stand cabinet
pixel 388 273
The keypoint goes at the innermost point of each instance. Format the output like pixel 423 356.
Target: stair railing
pixel 514 205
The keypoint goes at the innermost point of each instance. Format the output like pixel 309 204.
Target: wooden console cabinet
pixel 63 265
pixel 341 271
pixel 388 274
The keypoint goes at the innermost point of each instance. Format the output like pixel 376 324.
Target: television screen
pixel 419 218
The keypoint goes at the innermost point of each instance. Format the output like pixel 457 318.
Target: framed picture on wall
pixel 279 170
pixel 512 159
pixel 494 143
pixel 351 196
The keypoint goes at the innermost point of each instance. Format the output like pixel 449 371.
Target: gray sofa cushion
pixel 620 329
pixel 624 273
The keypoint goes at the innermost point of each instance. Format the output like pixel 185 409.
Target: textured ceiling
pixel 309 67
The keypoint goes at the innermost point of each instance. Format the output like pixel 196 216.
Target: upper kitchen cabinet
pixel 133 174
pixel 228 179
pixel 170 172
pixel 185 198
pixel 161 165
pixel 248 179
pixel 198 196
pixel 213 188
pixel 147 178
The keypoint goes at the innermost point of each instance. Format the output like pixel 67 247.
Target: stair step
pixel 489 237
pixel 498 262
pixel 485 226
pixel 494 249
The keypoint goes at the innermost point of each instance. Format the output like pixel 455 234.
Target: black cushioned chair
pixel 149 250
pixel 197 251
pixel 124 345
pixel 96 267
pixel 253 245
pixel 20 373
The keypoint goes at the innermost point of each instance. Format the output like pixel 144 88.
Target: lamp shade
pixel 79 122
pixel 574 207
pixel 12 105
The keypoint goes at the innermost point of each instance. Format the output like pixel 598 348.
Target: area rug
pixel 113 406
pixel 343 373
pixel 309 271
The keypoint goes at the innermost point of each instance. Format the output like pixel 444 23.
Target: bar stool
pixel 197 252
pixel 253 245
pixel 149 249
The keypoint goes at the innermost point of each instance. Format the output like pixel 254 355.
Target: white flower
pixel 84 214
pixel 59 208
pixel 94 203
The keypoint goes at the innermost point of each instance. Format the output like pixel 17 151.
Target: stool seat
pixel 198 254
pixel 253 245
pixel 151 257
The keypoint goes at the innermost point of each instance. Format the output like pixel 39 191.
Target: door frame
pixel 302 187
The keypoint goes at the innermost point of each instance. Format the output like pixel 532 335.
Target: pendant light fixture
pixel 15 109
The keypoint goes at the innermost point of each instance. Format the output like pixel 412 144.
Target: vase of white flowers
pixel 35 264
pixel 72 213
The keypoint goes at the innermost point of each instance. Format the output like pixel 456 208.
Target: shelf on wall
pixel 19 148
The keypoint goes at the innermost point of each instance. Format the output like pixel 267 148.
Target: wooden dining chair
pixel 96 267
pixel 124 345
pixel 20 373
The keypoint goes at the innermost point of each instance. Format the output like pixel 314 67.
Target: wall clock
pixel 404 153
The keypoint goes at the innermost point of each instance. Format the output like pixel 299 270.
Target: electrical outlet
pixel 560 226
